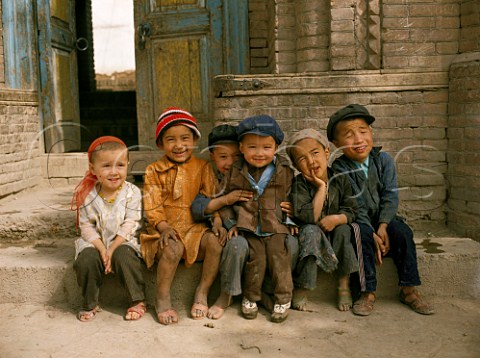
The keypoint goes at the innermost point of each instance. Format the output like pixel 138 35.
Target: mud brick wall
pixel 464 128
pixel 411 112
pixel 2 66
pixel 19 146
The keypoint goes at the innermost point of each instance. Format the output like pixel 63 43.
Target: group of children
pixel 246 216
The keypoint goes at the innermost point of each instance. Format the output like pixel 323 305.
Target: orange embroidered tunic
pixel 169 191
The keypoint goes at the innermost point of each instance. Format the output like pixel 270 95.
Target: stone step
pixel 42 273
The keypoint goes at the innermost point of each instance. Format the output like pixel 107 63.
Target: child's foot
pixel 364 305
pixel 280 312
pixel 218 309
pixel 249 309
pixel 412 298
pixel 344 299
pixel 136 311
pixel 300 299
pixel 88 315
pixel 168 316
pixel 199 310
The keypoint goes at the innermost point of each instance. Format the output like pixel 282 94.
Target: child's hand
pixel 219 231
pixel 232 232
pixel 293 230
pixel 238 195
pixel 328 223
pixel 319 183
pixel 108 263
pixel 287 208
pixel 382 233
pixel 379 248
pixel 166 235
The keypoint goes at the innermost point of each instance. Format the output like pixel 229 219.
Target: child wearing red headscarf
pixel 109 214
pixel 171 185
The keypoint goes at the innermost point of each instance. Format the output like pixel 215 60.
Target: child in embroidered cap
pixel 109 213
pixel 259 220
pixel 171 184
pixel 323 205
pixel 374 182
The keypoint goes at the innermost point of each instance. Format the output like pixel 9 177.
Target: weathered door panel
pixel 58 75
pixel 178 50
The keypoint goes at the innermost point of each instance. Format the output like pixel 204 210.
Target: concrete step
pixel 42 273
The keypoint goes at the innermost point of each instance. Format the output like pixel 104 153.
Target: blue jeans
pixel 402 251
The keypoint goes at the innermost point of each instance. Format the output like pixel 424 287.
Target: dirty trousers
pixel 234 257
pixel 126 265
pixel 268 252
pixel 312 256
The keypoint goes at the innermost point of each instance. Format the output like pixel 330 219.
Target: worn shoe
pixel 364 305
pixel 280 312
pixel 416 302
pixel 249 309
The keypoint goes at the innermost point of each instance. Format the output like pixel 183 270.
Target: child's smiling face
pixel 223 155
pixel 354 137
pixel 258 150
pixel 110 168
pixel 311 159
pixel 178 142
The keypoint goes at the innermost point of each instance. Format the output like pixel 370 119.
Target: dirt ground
pixel 393 330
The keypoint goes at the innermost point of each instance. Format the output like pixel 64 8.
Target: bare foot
pixel 200 305
pixel 300 299
pixel 165 313
pixel 218 309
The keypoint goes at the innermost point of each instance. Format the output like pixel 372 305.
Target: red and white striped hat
pixel 174 116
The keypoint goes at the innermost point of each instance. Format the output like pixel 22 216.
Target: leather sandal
pixel 364 306
pixel 418 304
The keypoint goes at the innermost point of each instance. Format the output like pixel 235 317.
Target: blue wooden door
pixel 180 46
pixel 58 75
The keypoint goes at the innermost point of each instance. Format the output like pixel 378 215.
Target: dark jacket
pixel 340 199
pixel 265 209
pixel 377 196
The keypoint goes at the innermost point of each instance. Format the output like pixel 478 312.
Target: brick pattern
pixel 464 146
pixel 410 126
pixel 420 33
pixel 262 33
pixel 470 29
pixel 19 147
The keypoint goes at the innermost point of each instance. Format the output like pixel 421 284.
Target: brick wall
pixel 411 112
pixel 19 147
pixel 420 33
pixel 464 128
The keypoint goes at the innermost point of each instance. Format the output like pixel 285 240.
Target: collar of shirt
pixel 264 179
pixel 363 166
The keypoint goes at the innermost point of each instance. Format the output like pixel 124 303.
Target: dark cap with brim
pixel 223 133
pixel 350 111
pixel 262 125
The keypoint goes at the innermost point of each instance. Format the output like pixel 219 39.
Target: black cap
pixel 223 133
pixel 350 111
pixel 262 125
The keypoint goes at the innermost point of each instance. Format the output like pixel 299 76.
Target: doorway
pixel 106 70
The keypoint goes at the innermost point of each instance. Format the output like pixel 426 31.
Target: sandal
pixel 168 316
pixel 364 305
pixel 344 299
pixel 199 307
pixel 416 303
pixel 139 309
pixel 88 315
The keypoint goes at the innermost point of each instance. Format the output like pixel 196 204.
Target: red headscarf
pixel 89 180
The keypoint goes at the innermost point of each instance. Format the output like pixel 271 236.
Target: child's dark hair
pixel 106 146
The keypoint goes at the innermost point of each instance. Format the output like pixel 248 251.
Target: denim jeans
pixel 402 251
